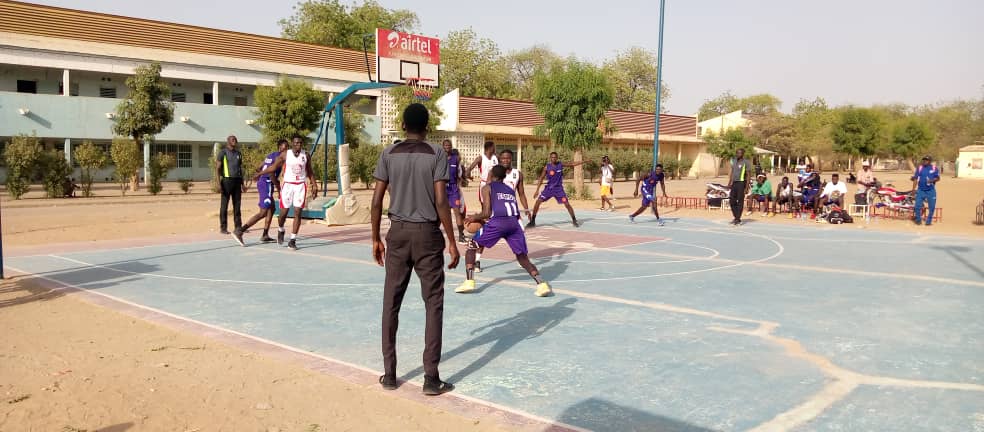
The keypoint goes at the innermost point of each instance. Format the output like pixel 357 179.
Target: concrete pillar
pixel 66 84
pixel 519 154
pixel 679 152
pixel 68 150
pixel 146 155
pixel 215 92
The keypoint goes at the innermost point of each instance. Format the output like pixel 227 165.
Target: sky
pixel 847 51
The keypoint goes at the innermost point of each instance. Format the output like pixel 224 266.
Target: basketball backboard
pixel 400 56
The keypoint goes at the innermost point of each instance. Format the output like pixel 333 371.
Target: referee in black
pixel 416 173
pixel 229 168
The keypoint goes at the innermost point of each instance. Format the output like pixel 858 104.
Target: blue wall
pixel 79 117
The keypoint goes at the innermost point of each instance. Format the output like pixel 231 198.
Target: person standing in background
pixel 229 169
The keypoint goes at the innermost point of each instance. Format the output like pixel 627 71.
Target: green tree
pixel 403 97
pixel 160 165
pixel 633 75
pixel 90 158
pixel 147 109
pixel 473 65
pixel 910 138
pixel 329 22
pixel 524 65
pixel 127 159
pixel 355 122
pixel 812 124
pixel 776 132
pixel 54 171
pixel 21 155
pixel 725 145
pixel 857 132
pixel 954 124
pixel 573 101
pixel 291 107
pixel 363 163
pixel 758 104
pixel 721 105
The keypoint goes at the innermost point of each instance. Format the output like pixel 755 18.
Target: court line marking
pixel 65 286
pixel 801 414
pixel 188 278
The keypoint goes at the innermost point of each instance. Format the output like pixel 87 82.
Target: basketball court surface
pixel 693 326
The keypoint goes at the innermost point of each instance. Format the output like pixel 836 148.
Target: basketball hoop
pixel 423 88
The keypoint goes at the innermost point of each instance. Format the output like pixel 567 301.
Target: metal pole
pixel 659 82
pixel 339 138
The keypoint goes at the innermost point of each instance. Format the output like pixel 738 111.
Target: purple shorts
pixel 503 228
pixel 555 193
pixel 647 199
pixel 454 198
pixel 265 188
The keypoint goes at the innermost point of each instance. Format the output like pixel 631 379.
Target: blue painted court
pixel 692 326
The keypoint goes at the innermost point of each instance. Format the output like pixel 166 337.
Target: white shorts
pixel 293 194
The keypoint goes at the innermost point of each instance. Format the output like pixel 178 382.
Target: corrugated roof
pixel 32 19
pixel 514 113
pixel 973 148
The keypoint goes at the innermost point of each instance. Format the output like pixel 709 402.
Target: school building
pixel 63 72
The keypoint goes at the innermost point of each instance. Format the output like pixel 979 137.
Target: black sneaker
pixel 280 237
pixel 434 387
pixel 238 235
pixel 292 245
pixel 462 239
pixel 576 224
pixel 531 224
pixel 266 239
pixel 388 382
pixel 478 267
pixel 224 231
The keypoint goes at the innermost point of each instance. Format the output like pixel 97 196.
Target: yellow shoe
pixel 465 287
pixel 543 290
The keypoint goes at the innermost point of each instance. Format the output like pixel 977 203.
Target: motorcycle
pixel 892 198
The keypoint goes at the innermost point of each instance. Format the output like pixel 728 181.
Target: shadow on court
pixel 84 277
pixel 601 415
pixel 503 335
pixel 955 251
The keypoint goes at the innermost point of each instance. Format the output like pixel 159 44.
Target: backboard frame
pixel 403 55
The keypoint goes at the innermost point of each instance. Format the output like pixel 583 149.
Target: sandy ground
pixel 64 370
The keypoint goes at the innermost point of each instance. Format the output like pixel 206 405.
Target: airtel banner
pixel 421 49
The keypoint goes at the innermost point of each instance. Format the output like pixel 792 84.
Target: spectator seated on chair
pixel 809 186
pixel 784 195
pixel 761 194
pixel 833 193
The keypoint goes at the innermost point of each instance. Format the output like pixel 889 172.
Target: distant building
pixel 970 162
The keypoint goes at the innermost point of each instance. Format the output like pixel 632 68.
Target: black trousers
pixel 232 187
pixel 737 199
pixel 418 247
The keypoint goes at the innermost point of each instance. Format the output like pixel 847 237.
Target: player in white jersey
pixel 484 162
pixel 297 173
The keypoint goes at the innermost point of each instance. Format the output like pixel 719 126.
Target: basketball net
pixel 423 88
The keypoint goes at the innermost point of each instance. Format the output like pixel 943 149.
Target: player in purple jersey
pixel 265 185
pixel 455 178
pixel 500 210
pixel 648 190
pixel 554 173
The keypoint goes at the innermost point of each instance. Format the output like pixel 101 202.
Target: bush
pixel 90 158
pixel 213 180
pixel 318 162
pixel 160 164
pixel 670 167
pixel 534 159
pixel 685 165
pixel 127 158
pixel 54 170
pixel 367 157
pixel 186 185
pixel 586 193
pixel 21 156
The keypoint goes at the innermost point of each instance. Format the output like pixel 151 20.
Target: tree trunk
pixel 578 171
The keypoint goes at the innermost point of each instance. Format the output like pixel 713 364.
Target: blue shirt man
pixel 924 182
